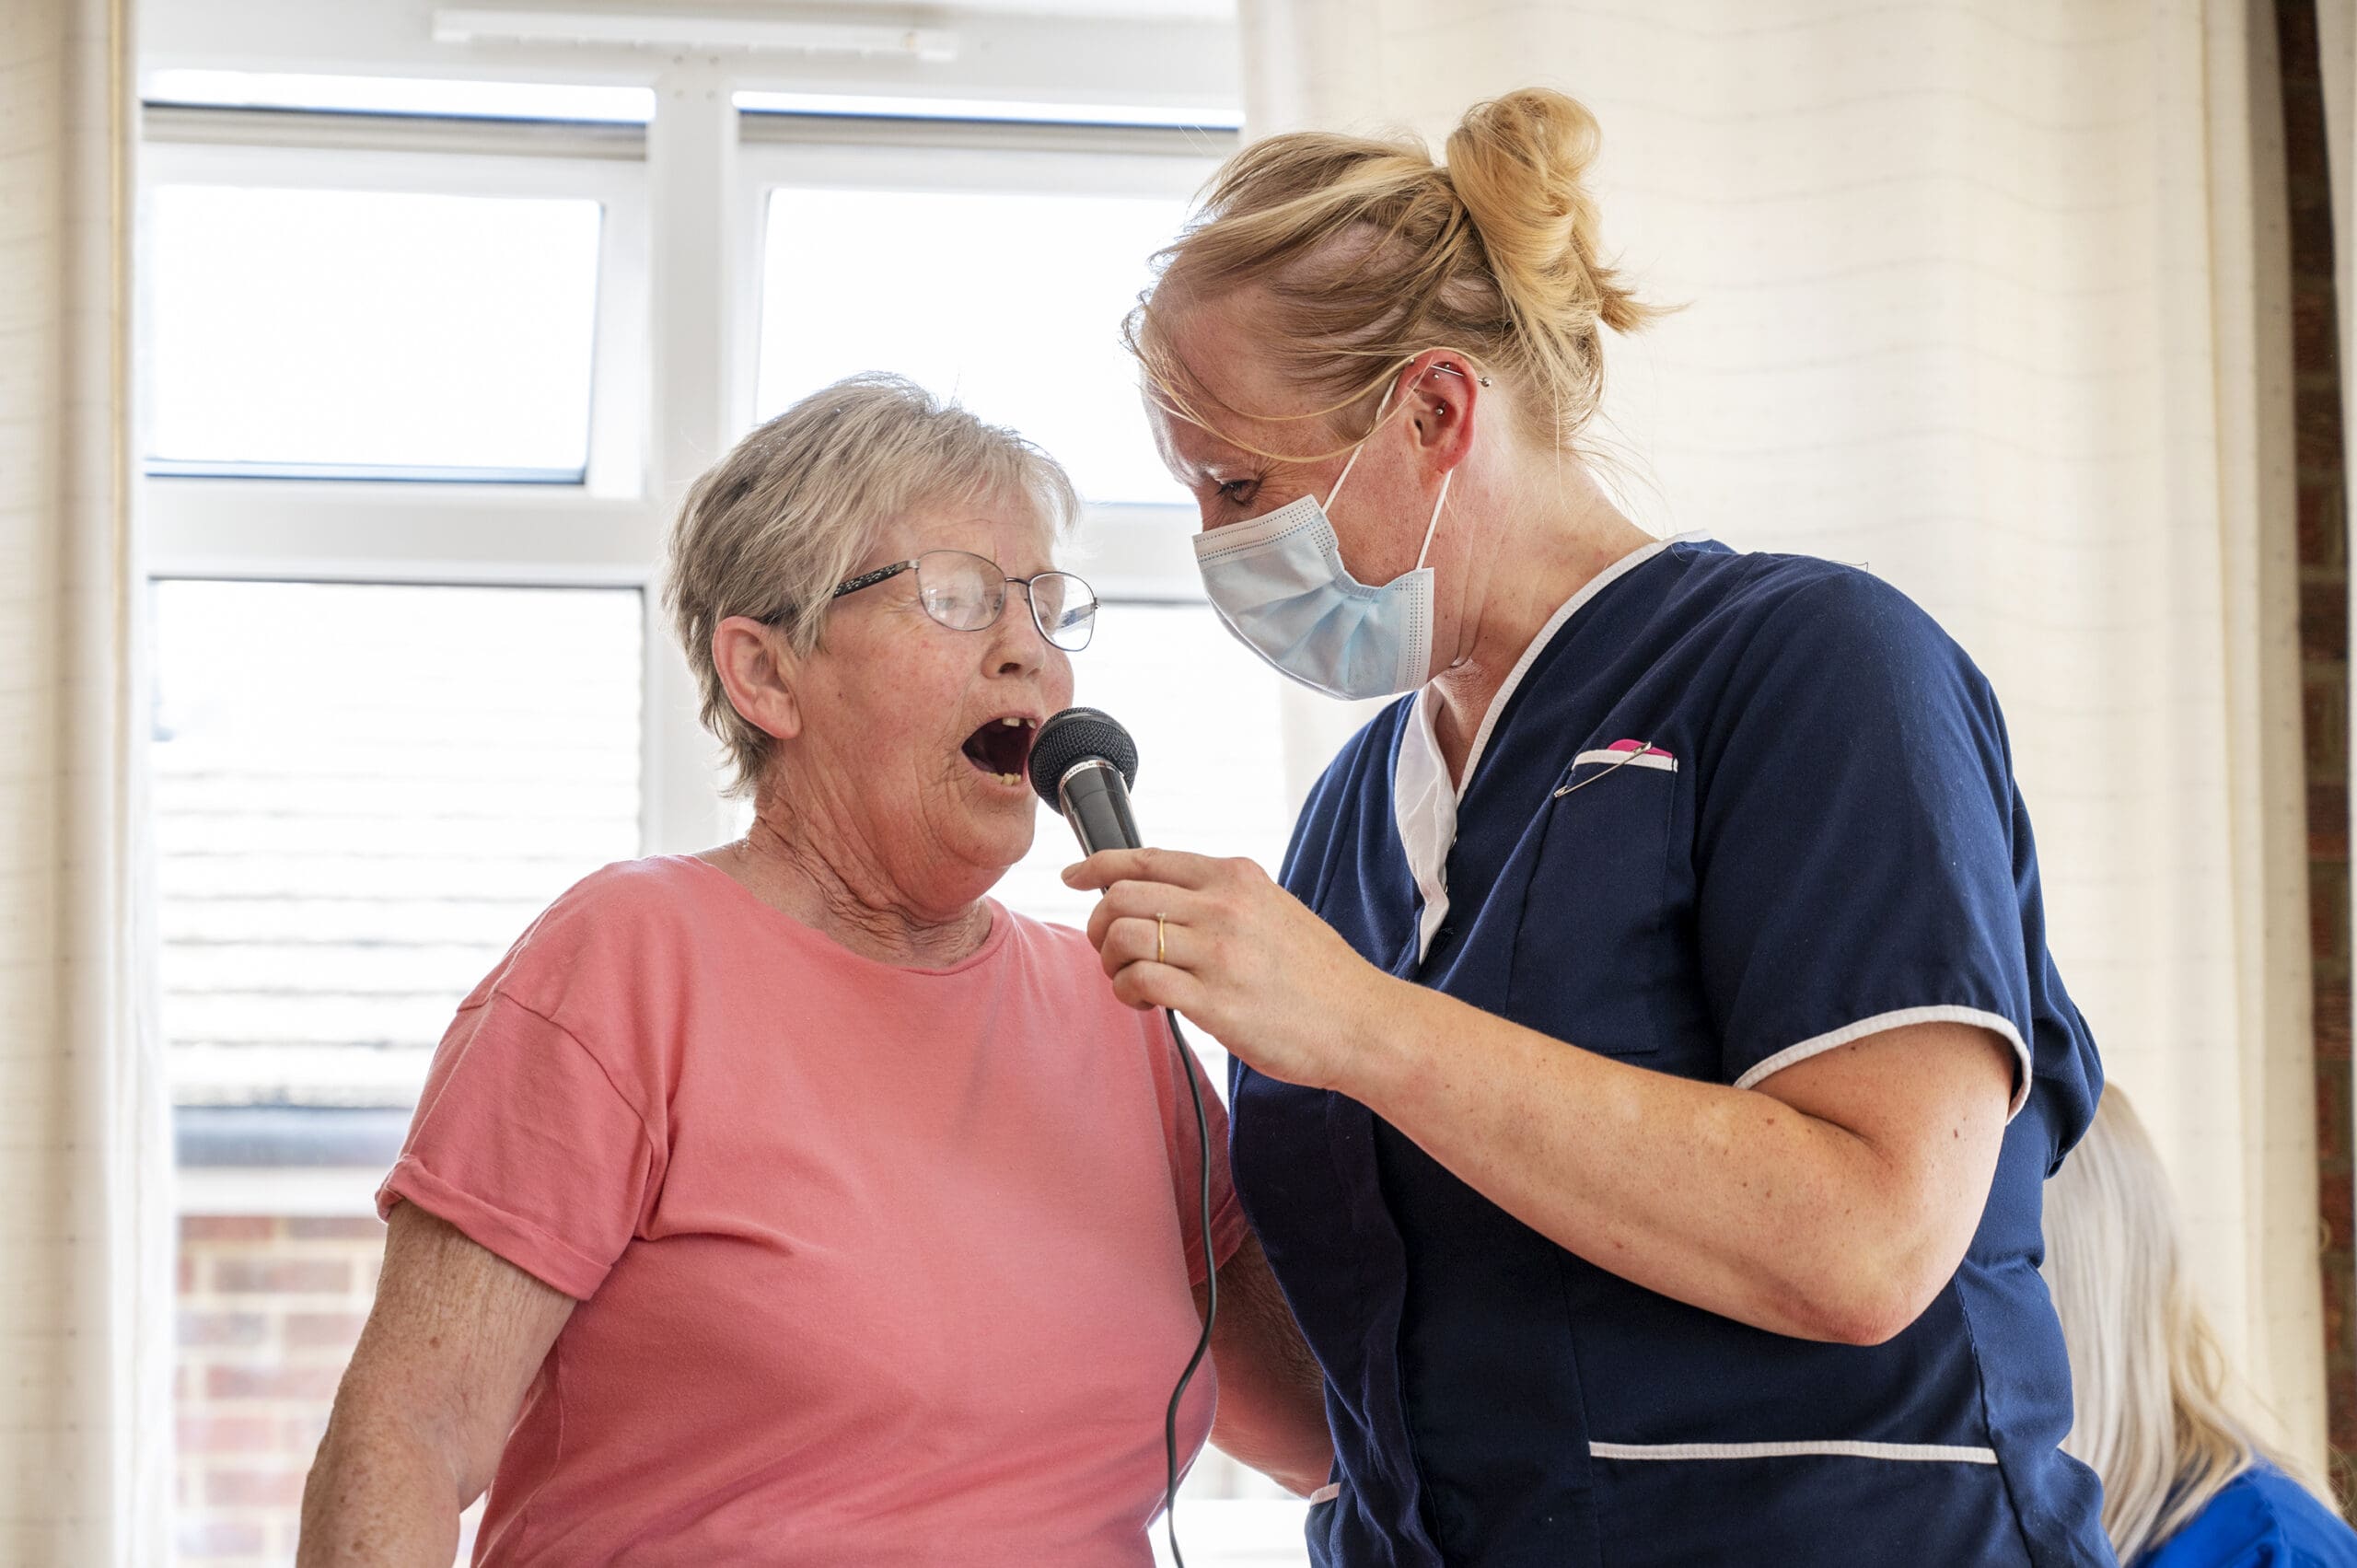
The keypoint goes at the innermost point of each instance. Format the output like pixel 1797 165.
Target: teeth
pixel 1009 779
pixel 1012 723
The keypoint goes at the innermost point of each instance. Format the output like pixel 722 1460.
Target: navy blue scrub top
pixel 1829 843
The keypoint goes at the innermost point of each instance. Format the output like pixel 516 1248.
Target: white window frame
pixel 188 514
pixel 608 530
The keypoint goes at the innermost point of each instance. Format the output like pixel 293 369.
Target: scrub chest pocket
pixel 1597 957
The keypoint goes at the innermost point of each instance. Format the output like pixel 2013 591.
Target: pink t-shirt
pixel 875 1265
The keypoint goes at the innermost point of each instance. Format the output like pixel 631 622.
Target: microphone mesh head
pixel 1073 736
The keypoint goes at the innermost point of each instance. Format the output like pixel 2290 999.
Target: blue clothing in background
pixel 2262 1519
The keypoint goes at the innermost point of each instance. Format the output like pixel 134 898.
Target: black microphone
pixel 1082 763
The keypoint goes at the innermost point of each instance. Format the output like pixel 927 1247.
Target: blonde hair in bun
pixel 1369 253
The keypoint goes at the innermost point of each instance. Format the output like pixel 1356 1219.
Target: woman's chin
pixel 999 834
pixel 1008 848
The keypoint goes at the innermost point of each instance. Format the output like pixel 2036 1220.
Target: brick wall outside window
pixel 270 1307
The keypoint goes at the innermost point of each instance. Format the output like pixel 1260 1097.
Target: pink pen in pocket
pixel 1611 759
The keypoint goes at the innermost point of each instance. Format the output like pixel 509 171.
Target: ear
pixel 1442 392
pixel 761 672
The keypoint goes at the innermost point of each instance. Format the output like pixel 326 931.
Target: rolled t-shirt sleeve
pixel 1854 838
pixel 523 1142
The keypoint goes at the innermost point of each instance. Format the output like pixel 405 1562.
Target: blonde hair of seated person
pixel 2157 1416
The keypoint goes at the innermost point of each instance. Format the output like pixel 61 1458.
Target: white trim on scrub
pixel 2002 1026
pixel 1913 1453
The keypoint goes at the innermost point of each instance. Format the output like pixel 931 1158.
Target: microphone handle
pixel 1096 804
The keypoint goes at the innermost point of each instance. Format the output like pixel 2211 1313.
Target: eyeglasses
pixel 967 593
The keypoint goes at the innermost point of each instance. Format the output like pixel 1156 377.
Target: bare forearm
pixel 1729 1199
pixel 378 1494
pixel 426 1407
pixel 1831 1201
pixel 1271 1394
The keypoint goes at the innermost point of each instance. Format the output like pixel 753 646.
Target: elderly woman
pixel 794 1202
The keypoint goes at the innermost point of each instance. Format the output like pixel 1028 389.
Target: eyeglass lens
pixel 967 593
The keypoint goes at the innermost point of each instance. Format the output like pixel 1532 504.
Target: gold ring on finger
pixel 1161 943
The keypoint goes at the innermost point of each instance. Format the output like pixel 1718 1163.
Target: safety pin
pixel 1644 750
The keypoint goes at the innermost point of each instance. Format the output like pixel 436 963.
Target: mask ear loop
pixel 1438 501
pixel 1441 499
pixel 1433 527
pixel 1345 475
pixel 1355 455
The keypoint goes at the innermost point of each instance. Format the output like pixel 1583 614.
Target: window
pixel 392 719
pixel 363 794
pixel 454 301
pixel 992 262
pixel 1012 301
pixel 1000 111
pixel 370 333
pixel 398 95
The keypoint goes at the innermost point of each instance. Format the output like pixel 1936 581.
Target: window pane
pixel 358 332
pixel 362 795
pixel 1011 302
pixel 400 95
pixel 1026 112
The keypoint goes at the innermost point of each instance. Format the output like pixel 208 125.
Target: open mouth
pixel 1002 748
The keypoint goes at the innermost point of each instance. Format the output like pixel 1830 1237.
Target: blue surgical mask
pixel 1280 584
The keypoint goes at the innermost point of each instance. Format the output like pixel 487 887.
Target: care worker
pixel 1645 1076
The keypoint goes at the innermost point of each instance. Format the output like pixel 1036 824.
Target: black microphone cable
pixel 1211 1289
pixel 1082 764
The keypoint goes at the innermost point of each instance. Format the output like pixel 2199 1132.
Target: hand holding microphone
pixel 1214 939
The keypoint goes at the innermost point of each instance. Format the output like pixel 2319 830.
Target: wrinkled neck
pixel 831 882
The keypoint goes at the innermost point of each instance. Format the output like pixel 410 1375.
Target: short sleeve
pixel 522 1142
pixel 1186 1154
pixel 1855 838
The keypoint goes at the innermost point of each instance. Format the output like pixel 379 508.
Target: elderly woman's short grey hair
pixel 770 529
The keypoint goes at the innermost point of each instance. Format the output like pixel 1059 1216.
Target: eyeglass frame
pixel 885 574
